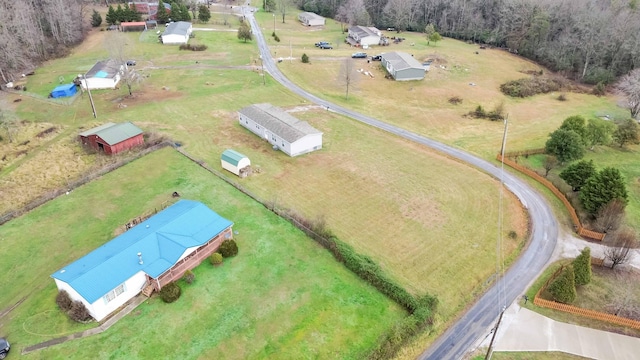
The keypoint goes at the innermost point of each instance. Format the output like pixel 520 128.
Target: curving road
pixel 473 325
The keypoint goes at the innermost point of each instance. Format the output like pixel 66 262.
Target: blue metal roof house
pixel 148 256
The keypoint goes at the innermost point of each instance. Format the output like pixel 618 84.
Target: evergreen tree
pixel 566 145
pixel 244 32
pixel 578 124
pixel 563 288
pixel 577 174
pixel 130 14
pixel 96 19
pixel 184 13
pixel 120 14
pixel 582 267
pixel 204 15
pixel 628 132
pixel 111 16
pixel 601 188
pixel 162 16
pixel 435 37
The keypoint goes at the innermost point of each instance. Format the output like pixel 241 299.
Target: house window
pixel 111 295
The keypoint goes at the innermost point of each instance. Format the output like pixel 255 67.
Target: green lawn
pixel 281 296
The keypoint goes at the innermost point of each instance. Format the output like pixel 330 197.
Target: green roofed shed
pixel 235 162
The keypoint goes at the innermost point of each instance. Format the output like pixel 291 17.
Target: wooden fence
pixel 592 314
pixel 542 180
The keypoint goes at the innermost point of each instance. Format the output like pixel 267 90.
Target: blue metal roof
pixel 161 239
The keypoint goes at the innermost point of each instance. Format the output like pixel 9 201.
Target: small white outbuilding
pixel 235 162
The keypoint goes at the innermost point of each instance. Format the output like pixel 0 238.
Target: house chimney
pixel 140 258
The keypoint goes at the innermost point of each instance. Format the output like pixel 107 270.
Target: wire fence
pixel 58 101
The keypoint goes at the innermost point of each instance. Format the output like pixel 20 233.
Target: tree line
pixel 37 30
pixel 594 41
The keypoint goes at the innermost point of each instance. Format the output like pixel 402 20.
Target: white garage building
pixel 103 75
pixel 289 134
pixel 177 33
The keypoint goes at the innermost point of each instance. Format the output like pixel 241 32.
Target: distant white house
pixel 402 66
pixel 235 162
pixel 364 36
pixel 311 19
pixel 177 33
pixel 289 134
pixel 103 75
pixel 146 257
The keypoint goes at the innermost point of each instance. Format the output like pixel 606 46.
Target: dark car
pixel 320 43
pixel 4 348
pixel 376 58
pixel 325 46
pixel 359 55
pixel 131 63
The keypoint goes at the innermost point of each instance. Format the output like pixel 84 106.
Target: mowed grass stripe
pixel 281 296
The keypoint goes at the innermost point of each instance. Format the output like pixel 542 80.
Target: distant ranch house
pixel 285 132
pixel 133 26
pixel 112 138
pixel 148 256
pixel 235 162
pixel 103 75
pixel 402 66
pixel 311 19
pixel 148 8
pixel 363 36
pixel 177 33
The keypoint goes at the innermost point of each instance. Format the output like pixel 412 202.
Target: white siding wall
pixel 370 40
pixel 306 144
pixel 230 167
pixel 100 83
pixel 101 308
pixel 174 39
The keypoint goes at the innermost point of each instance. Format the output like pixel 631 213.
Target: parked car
pixel 325 46
pixel 131 63
pixel 320 43
pixel 112 27
pixel 4 348
pixel 359 55
pixel 376 58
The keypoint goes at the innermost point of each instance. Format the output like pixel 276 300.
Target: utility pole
pixel 93 106
pixel 274 23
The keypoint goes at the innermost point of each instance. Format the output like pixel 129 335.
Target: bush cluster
pixel 455 100
pixel 170 292
pixel 189 276
pixel 493 115
pixel 228 248
pixel 74 309
pixel 216 259
pixel 305 58
pixel 530 86
pixel 199 47
pixel 563 288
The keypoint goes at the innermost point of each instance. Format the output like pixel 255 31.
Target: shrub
pixel 582 267
pixel 273 34
pixel 199 47
pixel 276 38
pixel 64 301
pixel 170 292
pixel 600 89
pixel 455 100
pixel 228 248
pixel 189 276
pixel 563 288
pixel 479 112
pixel 513 235
pixel 216 259
pixel 530 86
pixel 562 97
pixel 79 312
pixel 305 58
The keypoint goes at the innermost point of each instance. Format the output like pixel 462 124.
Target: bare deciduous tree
pixel 610 216
pixel 619 252
pixel 116 45
pixel 9 124
pixel 629 87
pixel 348 75
pixel 550 163
pixel 353 12
pixel 624 301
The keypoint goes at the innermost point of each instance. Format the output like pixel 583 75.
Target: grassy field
pixel 282 294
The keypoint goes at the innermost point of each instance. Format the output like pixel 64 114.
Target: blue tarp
pixel 64 91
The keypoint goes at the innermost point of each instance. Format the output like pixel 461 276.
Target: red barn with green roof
pixel 112 138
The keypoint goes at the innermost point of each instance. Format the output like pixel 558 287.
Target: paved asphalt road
pixel 474 324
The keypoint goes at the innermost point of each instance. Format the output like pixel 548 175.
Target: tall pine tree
pixel 111 17
pixel 563 288
pixel 582 267
pixel 162 16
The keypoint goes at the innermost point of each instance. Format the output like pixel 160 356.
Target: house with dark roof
pixel 177 33
pixel 364 36
pixel 311 19
pixel 146 257
pixel 112 138
pixel 402 66
pixel 103 75
pixel 285 132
